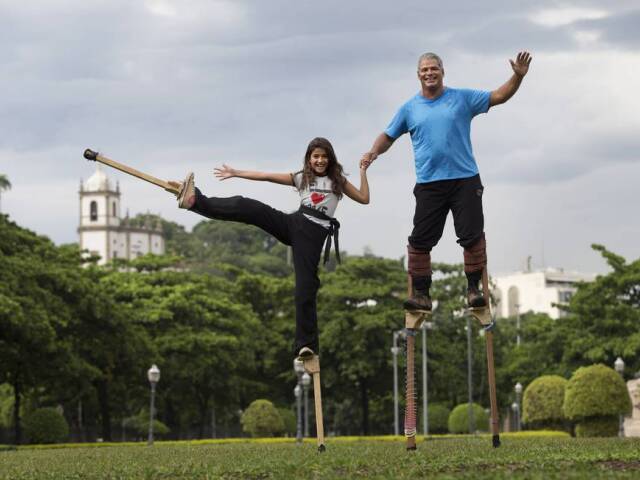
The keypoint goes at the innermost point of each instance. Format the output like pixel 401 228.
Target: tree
pixel 5 184
pixel 604 316
pixel 33 272
pixel 359 308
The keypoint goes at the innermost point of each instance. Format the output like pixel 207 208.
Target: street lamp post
pixel 298 368
pixel 516 414
pixel 153 374
pixel 618 365
pixel 306 381
pixel 518 390
pixel 395 350
pixel 471 418
pixel 425 404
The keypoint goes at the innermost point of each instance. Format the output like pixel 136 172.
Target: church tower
pixel 102 232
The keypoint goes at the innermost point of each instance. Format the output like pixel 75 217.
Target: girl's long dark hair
pixel 334 169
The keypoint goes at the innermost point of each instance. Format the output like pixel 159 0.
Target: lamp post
pixel 298 368
pixel 471 417
pixel 618 365
pixel 153 374
pixel 516 414
pixel 518 390
pixel 517 324
pixel 425 404
pixel 395 350
pixel 306 381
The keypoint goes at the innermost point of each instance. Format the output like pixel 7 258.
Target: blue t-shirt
pixel 441 132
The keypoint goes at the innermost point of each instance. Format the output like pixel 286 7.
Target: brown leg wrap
pixel 419 262
pixel 475 257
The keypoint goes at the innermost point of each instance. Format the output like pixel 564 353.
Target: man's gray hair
pixel 430 56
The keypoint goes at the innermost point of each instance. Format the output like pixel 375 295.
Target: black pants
pixel 306 239
pixel 434 200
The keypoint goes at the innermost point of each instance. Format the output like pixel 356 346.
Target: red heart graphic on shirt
pixel 317 197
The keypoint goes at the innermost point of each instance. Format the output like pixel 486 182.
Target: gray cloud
pixel 250 83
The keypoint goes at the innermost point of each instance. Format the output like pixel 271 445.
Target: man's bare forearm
pixel 506 91
pixel 381 144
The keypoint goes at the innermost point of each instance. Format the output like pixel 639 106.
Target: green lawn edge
pixel 274 440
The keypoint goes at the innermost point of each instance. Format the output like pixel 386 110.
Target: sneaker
pixel 475 299
pixel 305 353
pixel 187 193
pixel 418 302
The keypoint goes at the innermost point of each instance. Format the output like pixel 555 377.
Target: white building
pixel 536 291
pixel 101 230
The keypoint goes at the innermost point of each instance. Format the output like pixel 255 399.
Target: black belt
pixel 334 229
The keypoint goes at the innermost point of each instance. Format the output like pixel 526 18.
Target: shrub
pixel 598 427
pixel 261 419
pixel 45 425
pixel 289 420
pixel 139 424
pixel 438 418
pixel 459 418
pixel 542 403
pixel 594 398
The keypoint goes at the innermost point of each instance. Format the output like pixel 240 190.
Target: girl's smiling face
pixel 319 161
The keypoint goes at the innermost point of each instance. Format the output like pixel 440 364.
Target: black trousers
pixel 434 200
pixel 306 239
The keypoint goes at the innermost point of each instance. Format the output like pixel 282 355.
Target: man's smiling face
pixel 430 74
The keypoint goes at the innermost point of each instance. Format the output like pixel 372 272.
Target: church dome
pixel 98 182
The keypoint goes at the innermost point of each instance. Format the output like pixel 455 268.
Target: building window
pixel 114 209
pixel 93 211
pixel 564 296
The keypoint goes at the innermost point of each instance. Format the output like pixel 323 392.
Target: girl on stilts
pixel 321 184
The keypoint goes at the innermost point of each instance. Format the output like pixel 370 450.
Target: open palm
pixel 521 65
pixel 224 173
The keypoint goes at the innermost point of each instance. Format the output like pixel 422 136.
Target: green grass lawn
pixel 518 457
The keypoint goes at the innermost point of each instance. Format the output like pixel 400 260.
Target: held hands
pixel 521 65
pixel 367 159
pixel 225 172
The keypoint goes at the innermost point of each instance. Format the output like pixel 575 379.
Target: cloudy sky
pixel 172 86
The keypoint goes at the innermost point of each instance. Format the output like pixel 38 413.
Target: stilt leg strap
pixel 419 262
pixel 475 256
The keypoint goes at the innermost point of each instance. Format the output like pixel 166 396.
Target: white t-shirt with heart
pixel 318 195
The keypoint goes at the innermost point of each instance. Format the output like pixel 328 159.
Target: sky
pixel 175 86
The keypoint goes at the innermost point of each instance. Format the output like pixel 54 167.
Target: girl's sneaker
pixel 305 353
pixel 187 193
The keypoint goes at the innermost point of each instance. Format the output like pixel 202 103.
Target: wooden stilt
pixel 96 157
pixel 412 321
pixel 312 367
pixel 483 315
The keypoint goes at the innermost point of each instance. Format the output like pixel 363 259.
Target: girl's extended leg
pixel 308 239
pixel 244 210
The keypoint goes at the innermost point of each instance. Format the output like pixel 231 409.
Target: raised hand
pixel 521 65
pixel 225 172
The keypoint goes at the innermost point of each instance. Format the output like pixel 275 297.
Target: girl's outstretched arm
pixel 359 195
pixel 227 172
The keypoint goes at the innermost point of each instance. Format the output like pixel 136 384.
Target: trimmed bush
pixel 594 398
pixel 542 403
pixel 459 418
pixel 289 420
pixel 598 427
pixel 45 425
pixel 261 419
pixel 438 418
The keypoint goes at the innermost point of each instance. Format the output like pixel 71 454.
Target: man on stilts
pixel 438 119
